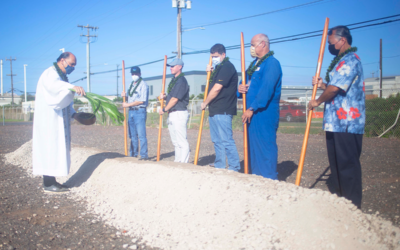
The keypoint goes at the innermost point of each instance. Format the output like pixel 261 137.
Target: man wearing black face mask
pixel 51 142
pixel 344 116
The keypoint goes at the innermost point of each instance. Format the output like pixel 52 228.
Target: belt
pixel 172 111
pixel 136 108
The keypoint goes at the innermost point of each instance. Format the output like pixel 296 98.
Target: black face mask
pixel 333 50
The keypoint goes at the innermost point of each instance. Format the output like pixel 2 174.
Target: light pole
pixel 1 63
pixel 180 4
pixel 25 80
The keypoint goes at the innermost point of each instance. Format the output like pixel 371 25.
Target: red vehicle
pixel 291 112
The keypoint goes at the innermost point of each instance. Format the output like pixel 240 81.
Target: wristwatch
pixel 164 110
pixel 251 109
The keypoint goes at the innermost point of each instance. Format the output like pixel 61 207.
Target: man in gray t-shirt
pixel 177 100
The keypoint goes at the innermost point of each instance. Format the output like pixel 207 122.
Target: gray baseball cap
pixel 176 61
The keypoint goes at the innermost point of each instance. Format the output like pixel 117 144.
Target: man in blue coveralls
pixel 138 96
pixel 264 77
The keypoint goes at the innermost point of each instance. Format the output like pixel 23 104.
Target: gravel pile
pixel 182 206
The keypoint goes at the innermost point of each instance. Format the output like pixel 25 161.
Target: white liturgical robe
pixel 51 126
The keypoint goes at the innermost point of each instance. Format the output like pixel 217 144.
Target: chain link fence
pixel 382 113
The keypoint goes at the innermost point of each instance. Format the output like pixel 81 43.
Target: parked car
pixel 291 112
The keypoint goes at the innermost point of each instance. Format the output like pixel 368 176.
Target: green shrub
pixel 380 115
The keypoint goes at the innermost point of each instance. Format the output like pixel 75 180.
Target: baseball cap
pixel 176 61
pixel 135 69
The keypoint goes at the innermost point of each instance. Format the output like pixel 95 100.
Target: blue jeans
pixel 137 130
pixel 224 145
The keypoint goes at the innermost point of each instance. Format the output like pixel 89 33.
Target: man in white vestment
pixel 52 123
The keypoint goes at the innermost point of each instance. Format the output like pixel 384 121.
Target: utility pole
pixel 380 69
pixel 12 83
pixel 25 80
pixel 180 4
pixel 1 63
pixel 117 79
pixel 179 33
pixel 88 51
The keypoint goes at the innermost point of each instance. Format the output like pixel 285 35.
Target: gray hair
pixel 264 38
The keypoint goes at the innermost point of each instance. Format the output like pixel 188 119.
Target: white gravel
pixel 182 206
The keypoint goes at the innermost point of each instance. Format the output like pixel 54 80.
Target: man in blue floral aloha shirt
pixel 344 117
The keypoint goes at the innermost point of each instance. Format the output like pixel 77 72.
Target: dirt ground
pixel 31 219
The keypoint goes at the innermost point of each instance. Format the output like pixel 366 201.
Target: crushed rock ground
pixel 182 206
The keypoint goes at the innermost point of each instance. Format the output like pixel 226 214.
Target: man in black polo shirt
pixel 221 100
pixel 177 101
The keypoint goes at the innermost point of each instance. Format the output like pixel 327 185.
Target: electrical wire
pixel 266 13
pixel 114 70
pixel 275 40
pixel 295 38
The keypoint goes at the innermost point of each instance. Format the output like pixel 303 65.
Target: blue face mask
pixel 69 69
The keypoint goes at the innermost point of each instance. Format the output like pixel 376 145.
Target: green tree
pixel 200 96
pixel 191 97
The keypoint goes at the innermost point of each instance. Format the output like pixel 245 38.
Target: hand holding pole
pixel 125 120
pixel 196 156
pixel 310 112
pixel 245 139
pixel 162 106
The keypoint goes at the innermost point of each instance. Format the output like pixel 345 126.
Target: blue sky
pixel 142 31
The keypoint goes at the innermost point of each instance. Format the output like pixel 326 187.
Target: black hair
pixel 342 31
pixel 218 48
pixel 64 55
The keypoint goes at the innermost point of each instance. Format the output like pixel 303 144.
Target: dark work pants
pixel 49 180
pixel 344 151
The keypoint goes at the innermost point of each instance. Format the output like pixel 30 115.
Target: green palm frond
pixel 102 106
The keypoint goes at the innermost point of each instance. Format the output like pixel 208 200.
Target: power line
pixel 88 51
pixel 275 40
pixel 296 37
pixel 12 82
pixel 266 13
pixel 114 70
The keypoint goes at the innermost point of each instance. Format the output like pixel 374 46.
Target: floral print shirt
pixel 346 111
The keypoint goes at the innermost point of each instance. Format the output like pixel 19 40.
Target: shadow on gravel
pixel 206 160
pixel 327 178
pixel 166 155
pixel 285 169
pixel 87 168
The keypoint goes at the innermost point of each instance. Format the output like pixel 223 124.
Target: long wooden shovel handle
pixel 125 120
pixel 245 139
pixel 162 106
pixel 196 156
pixel 310 112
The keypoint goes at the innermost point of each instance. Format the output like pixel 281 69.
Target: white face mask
pixel 216 61
pixel 253 50
pixel 135 78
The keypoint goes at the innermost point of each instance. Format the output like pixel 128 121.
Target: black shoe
pixel 143 159
pixel 55 188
